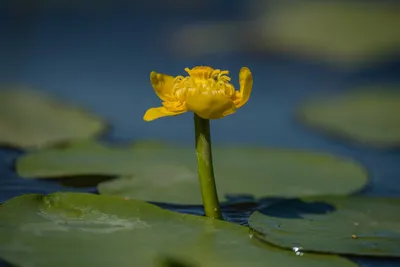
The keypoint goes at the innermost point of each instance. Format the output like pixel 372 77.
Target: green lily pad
pixel 169 174
pixel 332 224
pixel 78 159
pixel 29 119
pixel 355 32
pixel 83 230
pixel 369 116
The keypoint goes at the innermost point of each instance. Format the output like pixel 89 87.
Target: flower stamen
pixel 203 80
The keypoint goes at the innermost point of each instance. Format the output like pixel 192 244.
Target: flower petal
pixel 163 85
pixel 155 113
pixel 246 84
pixel 210 106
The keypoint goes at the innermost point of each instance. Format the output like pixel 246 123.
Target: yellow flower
pixel 206 92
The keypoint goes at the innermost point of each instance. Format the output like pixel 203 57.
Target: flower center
pixel 203 80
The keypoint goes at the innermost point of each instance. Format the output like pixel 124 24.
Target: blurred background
pixel 98 54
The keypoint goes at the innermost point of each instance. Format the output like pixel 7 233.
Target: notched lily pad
pixel 368 116
pixel 80 230
pixel 357 225
pixel 169 174
pixel 30 119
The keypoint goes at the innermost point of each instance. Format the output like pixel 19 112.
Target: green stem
pixel 205 168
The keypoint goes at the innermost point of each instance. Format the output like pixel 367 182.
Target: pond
pixel 102 62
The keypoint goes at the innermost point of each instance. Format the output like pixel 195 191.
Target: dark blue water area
pixel 102 62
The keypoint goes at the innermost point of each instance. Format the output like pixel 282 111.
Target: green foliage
pixel 84 230
pixel 169 174
pixel 368 116
pixel 29 119
pixel 368 226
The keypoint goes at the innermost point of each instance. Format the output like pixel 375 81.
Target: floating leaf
pixel 83 230
pixel 29 119
pixel 78 159
pixel 369 116
pixel 339 31
pixel 333 224
pixel 169 174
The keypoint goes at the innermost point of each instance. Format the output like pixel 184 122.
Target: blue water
pixel 102 62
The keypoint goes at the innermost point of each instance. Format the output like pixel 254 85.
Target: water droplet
pixel 297 250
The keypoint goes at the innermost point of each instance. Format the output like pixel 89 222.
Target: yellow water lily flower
pixel 206 92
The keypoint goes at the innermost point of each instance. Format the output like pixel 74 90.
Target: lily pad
pixel 83 230
pixel 369 116
pixel 355 32
pixel 333 224
pixel 78 159
pixel 29 119
pixel 169 174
